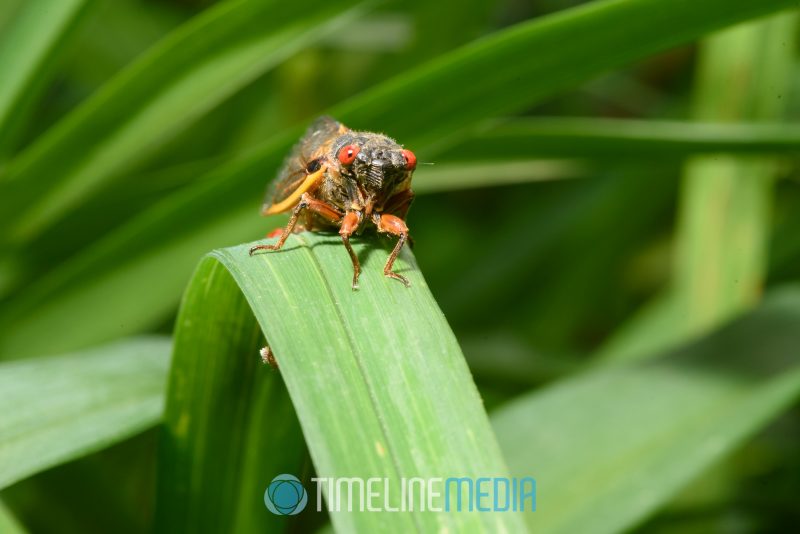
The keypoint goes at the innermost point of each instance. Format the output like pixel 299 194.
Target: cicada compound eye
pixel 411 160
pixel 347 155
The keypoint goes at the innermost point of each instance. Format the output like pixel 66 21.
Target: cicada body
pixel 337 178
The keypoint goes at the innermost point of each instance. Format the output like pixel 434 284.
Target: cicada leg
pixel 391 224
pixel 349 225
pixel 398 206
pixel 306 202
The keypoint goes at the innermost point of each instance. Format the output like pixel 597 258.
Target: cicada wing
pixel 294 171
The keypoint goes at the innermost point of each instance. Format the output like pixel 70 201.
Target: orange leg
pixel 349 225
pixel 394 225
pixel 306 202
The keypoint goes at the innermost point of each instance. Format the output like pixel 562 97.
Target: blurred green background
pixel 588 222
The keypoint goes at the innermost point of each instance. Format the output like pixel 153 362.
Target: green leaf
pixel 468 175
pixel 29 45
pixel 611 445
pixel 67 406
pixel 229 423
pixel 376 377
pixel 571 137
pixel 190 72
pixel 9 523
pixel 724 211
pixel 723 218
pixel 166 238
pixel 536 59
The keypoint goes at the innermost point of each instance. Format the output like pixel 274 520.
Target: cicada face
pixel 376 163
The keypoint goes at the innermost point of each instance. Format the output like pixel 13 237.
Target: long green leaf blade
pixel 58 408
pixel 608 447
pixel 723 218
pixel 724 213
pixel 229 423
pixel 376 376
pixel 535 59
pixel 571 137
pixel 9 523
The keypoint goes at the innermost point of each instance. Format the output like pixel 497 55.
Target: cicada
pixel 339 179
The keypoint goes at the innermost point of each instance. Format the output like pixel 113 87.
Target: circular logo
pixel 285 495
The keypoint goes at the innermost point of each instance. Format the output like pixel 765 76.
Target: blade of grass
pixel 376 377
pixel 459 176
pixel 610 446
pixel 191 71
pixel 67 406
pixel 724 214
pixel 166 238
pixel 229 424
pixel 570 137
pixel 570 46
pixel 724 207
pixel 9 523
pixel 29 45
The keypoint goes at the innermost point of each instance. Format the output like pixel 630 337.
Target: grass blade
pixel 569 137
pixel 723 219
pixel 468 175
pixel 724 213
pixel 229 423
pixel 376 376
pixel 28 47
pixel 67 406
pixel 9 523
pixel 570 47
pixel 608 447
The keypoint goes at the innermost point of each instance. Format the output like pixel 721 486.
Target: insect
pixel 337 178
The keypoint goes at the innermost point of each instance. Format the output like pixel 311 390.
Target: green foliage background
pixel 609 226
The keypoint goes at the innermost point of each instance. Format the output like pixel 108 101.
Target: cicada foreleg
pixel 306 202
pixel 392 224
pixel 350 223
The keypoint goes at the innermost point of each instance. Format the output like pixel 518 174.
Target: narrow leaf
pixel 724 208
pixel 376 377
pixel 9 523
pixel 533 60
pixel 612 445
pixel 723 216
pixel 585 137
pixel 58 408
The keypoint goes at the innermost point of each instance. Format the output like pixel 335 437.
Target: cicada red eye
pixel 347 155
pixel 411 160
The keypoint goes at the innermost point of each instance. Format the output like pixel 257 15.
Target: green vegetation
pixel 601 298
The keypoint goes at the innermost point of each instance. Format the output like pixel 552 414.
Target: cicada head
pixel 376 162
